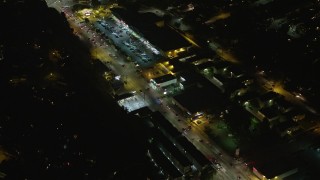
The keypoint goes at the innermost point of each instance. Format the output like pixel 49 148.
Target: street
pixel 102 50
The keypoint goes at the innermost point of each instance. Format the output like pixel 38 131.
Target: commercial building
pixel 199 98
pixel 275 170
pixel 192 160
pixel 163 81
pixel 153 29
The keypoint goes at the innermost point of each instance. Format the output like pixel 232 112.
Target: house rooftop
pixel 205 65
pixel 269 95
pixel 236 70
pixel 270 112
pixel 234 84
pixel 285 125
pixel 282 103
pixel 220 64
pixel 249 95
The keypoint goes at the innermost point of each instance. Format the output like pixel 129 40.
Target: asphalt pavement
pixel 135 82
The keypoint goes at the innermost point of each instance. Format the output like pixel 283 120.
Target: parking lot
pixel 139 50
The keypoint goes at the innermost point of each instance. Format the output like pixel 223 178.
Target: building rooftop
pixel 178 66
pixel 163 37
pixel 270 112
pixel 200 97
pixel 205 65
pixel 164 78
pixel 220 64
pixel 236 70
pixel 142 112
pixel 233 85
pixel 247 96
pixel 195 153
pixel 160 121
pixel 276 167
pixel 295 114
pixel 168 145
pixel 164 162
pixel 123 96
pixel 190 78
pixel 281 8
pixel 284 103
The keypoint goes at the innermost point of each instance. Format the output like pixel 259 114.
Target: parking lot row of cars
pixel 126 40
